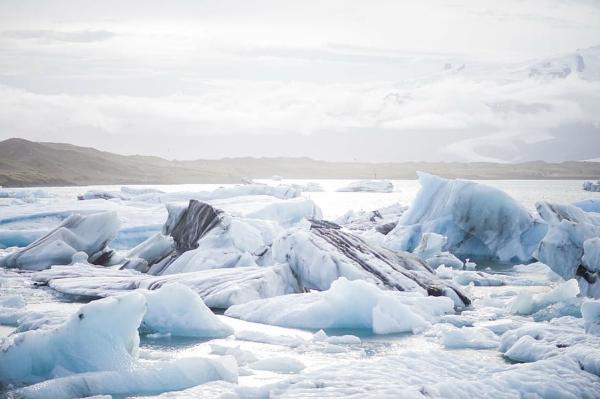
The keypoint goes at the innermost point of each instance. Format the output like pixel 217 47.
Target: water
pixel 489 302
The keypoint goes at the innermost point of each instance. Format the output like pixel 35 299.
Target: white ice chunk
pixel 383 312
pixel 102 335
pixel 90 234
pixel 526 303
pixel 468 337
pixel 177 310
pixel 591 254
pixel 444 272
pixel 160 377
pixel 590 311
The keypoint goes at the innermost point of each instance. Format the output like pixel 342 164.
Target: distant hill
pixel 26 163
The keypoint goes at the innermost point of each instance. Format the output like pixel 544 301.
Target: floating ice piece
pixel 590 310
pixel 177 310
pixel 102 335
pixel 479 221
pixel 526 303
pixel 321 336
pixel 160 377
pixel 105 195
pixel 563 247
pixel 591 254
pixel 219 288
pixel 467 337
pixel 281 191
pixel 445 258
pixel 281 365
pixel 431 244
pixel 561 337
pixel 443 272
pixel 372 186
pixel 90 234
pixel 591 185
pixel 470 265
pixel 383 312
pixel 466 277
pixel 323 253
pixel 149 252
pixel 383 220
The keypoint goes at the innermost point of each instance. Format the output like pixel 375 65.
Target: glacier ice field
pixel 428 288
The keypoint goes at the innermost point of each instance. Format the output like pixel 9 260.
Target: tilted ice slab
pixel 320 255
pixel 219 288
pixel 571 246
pixel 373 186
pixel 90 234
pixel 479 221
pixel 199 236
pixel 347 304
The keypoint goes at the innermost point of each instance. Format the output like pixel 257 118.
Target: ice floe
pixel 383 312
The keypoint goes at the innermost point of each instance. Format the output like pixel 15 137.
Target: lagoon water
pixel 340 370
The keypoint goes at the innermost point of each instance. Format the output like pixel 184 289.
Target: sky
pixel 377 81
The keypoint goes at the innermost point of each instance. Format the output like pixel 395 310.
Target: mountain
pixel 26 163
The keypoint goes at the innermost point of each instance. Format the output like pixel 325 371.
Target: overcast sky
pixel 334 80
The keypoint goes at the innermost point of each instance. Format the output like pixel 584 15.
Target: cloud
pixel 81 36
pixel 454 118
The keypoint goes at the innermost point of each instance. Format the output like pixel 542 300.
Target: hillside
pixel 26 163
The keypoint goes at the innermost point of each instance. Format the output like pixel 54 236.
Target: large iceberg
pixel 571 246
pixel 320 255
pixel 479 221
pixel 348 304
pixel 78 233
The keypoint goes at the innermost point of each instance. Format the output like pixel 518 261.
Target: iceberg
pixel 479 221
pixel 90 233
pixel 102 335
pixel 177 310
pixel 200 236
pixel 371 186
pixel 591 185
pixel 164 376
pixel 570 247
pixel 218 288
pixel 347 305
pixel 320 255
